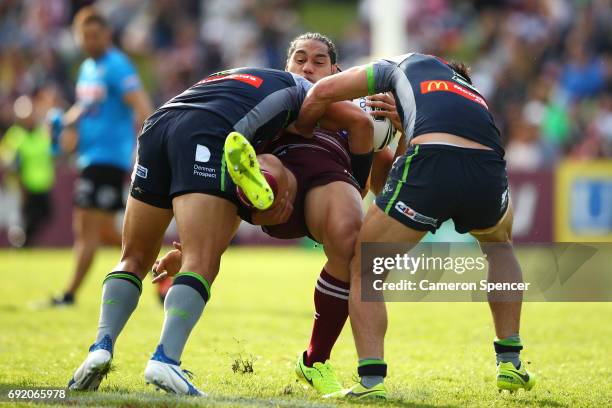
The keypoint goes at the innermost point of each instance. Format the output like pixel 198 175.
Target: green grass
pixel 439 354
pixel 329 18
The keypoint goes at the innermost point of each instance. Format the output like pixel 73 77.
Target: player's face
pixel 94 39
pixel 311 60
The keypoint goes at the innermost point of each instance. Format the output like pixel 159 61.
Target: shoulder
pixel 300 81
pixel 89 64
pixel 116 57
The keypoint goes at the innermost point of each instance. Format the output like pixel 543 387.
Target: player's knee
pixel 341 236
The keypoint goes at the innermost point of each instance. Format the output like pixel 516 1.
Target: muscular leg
pixel 333 216
pixel 503 267
pixel 369 319
pixel 143 230
pixel 206 224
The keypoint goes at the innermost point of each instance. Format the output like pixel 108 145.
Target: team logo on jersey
pixel 430 86
pixel 415 216
pixel 202 154
pixel 142 171
pixel 244 78
pixel 450 86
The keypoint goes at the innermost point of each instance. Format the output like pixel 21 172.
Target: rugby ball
pixel 383 129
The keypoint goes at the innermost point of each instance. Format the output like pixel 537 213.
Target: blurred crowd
pixel 545 66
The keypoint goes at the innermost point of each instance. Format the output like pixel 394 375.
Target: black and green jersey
pixel 432 97
pixel 256 102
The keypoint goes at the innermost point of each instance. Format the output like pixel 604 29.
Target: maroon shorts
pixel 314 162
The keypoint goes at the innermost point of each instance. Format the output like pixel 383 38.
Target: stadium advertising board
pixel 583 199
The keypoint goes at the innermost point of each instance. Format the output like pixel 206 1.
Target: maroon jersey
pixel 315 162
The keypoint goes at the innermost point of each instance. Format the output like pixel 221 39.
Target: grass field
pixel 439 354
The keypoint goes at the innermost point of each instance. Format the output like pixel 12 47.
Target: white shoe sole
pixel 93 370
pixel 165 377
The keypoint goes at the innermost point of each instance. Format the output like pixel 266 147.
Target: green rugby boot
pixel 359 392
pixel 244 170
pixel 510 378
pixel 320 376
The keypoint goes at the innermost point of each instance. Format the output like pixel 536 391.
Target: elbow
pixel 322 91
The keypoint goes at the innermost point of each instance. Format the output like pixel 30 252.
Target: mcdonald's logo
pixel 432 86
pixel 450 86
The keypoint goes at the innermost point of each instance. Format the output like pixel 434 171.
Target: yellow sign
pixel 584 201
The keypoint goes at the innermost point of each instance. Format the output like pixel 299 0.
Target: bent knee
pixel 341 236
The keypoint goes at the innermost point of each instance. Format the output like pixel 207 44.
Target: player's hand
pixel 169 264
pixel 279 213
pixel 386 102
pixel 292 129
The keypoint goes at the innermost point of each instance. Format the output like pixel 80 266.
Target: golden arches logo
pixel 437 85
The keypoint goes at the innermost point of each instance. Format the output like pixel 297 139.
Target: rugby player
pixel 326 207
pixel 185 159
pixel 453 169
pixel 110 105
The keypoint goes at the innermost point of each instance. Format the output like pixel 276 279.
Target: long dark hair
pixel 332 50
pixel 462 69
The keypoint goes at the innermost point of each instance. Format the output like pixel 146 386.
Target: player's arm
pixel 65 135
pixel 169 264
pixel 139 101
pixel 72 115
pixel 343 86
pixel 348 116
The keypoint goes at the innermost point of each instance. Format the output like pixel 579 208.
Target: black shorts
pixel 100 187
pixel 179 152
pixel 433 183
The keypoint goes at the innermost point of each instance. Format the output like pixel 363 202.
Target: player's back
pixel 256 102
pixel 433 98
